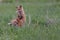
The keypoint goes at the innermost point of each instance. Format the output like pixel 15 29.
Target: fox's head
pixel 20 7
pixel 20 11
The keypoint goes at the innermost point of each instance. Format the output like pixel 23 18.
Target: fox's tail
pixel 9 24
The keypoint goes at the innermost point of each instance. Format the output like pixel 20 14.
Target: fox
pixel 21 17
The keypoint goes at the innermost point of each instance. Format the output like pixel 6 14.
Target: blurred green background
pixel 44 25
pixel 31 0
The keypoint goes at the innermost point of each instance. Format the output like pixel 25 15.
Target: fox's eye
pixel 20 6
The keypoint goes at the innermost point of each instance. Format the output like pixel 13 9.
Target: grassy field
pixel 39 28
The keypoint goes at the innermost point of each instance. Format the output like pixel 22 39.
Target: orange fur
pixel 21 17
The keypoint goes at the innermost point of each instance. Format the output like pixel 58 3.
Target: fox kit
pixel 21 17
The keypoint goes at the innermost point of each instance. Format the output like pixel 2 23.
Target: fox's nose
pixel 18 9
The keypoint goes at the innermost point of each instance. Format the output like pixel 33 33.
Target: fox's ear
pixel 20 6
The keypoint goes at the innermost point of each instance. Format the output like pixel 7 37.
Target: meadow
pixel 44 21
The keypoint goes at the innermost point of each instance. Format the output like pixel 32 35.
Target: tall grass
pixel 38 29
